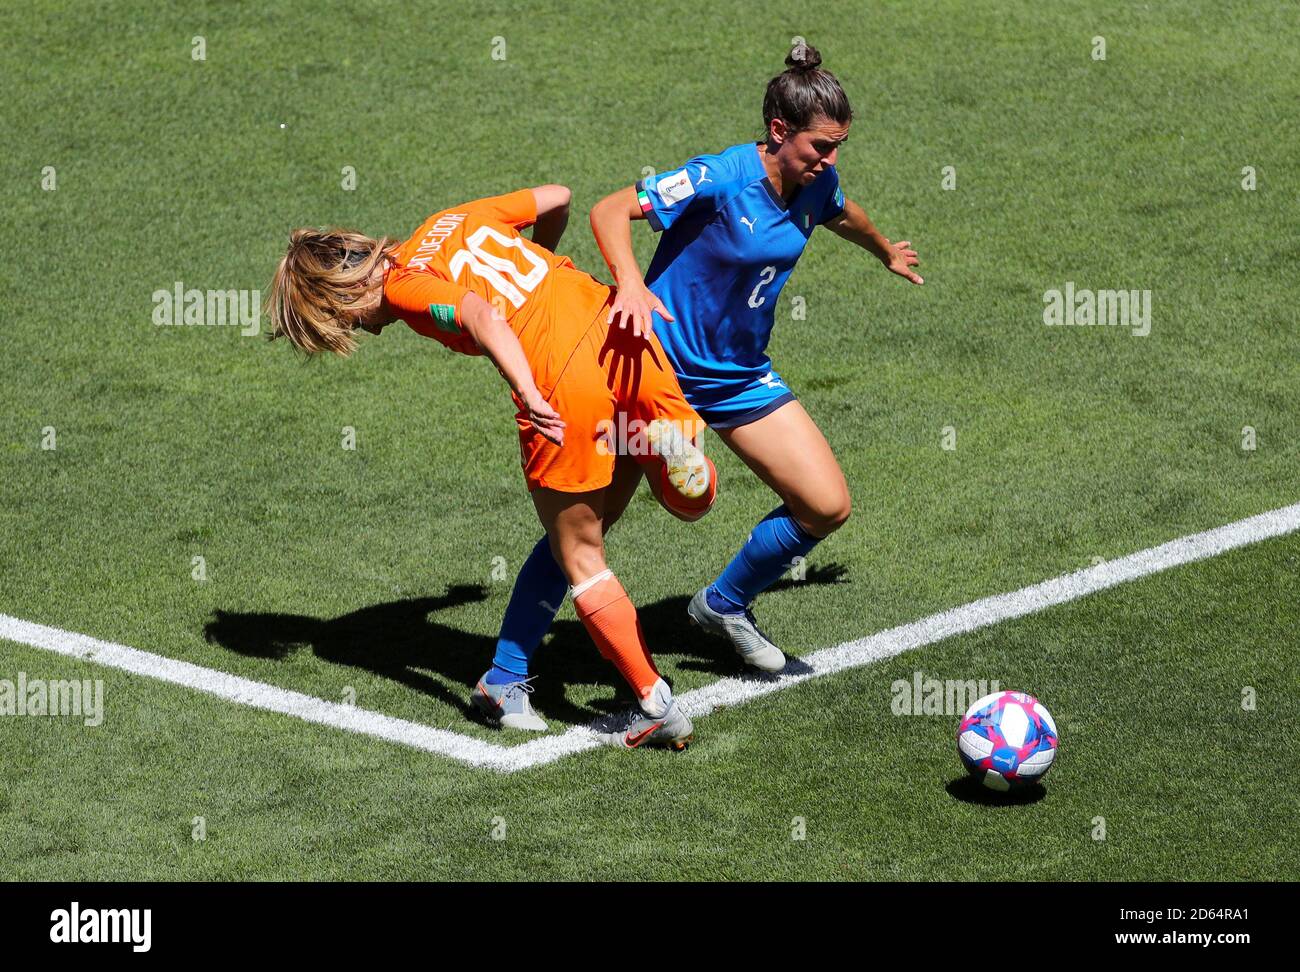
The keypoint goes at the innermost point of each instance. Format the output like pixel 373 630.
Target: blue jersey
pixel 729 244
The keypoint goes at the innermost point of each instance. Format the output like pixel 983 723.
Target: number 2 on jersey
pixel 764 278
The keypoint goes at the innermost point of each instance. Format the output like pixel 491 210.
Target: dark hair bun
pixel 803 58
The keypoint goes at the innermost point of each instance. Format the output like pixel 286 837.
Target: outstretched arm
pixel 855 226
pixel 491 333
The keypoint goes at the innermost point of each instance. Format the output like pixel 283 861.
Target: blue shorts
pixel 739 403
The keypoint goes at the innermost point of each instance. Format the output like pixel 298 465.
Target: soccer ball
pixel 1008 740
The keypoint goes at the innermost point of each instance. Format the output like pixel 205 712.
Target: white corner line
pixel 701 701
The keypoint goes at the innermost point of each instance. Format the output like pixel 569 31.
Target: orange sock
pixel 676 501
pixel 607 613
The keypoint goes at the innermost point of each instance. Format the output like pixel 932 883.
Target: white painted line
pixel 255 694
pixel 700 702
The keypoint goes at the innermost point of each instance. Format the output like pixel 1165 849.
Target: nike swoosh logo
pixel 634 741
pixel 488 696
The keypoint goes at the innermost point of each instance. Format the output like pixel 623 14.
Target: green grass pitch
pixel 131 165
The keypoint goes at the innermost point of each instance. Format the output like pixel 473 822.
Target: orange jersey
pixel 591 374
pixel 477 247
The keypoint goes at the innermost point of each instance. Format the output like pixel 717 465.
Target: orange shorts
pixel 606 391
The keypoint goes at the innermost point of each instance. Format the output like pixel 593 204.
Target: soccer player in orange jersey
pixel 469 279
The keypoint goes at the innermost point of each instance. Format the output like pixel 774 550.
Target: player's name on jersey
pixel 433 240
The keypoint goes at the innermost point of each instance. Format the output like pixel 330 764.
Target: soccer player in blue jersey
pixel 733 227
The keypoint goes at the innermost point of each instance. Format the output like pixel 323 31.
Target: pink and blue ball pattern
pixel 1008 739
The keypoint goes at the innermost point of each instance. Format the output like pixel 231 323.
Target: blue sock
pixel 539 591
pixel 766 555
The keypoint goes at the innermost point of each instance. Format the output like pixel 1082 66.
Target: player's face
pixel 368 314
pixel 810 152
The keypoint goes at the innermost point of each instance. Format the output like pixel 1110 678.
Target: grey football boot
pixel 508 704
pixel 672 729
pixel 741 630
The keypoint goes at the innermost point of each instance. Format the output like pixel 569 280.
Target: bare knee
pixel 825 514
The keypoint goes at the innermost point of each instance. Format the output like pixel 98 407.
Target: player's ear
pixel 778 131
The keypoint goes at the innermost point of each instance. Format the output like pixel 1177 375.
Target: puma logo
pixel 704 176
pixel 748 222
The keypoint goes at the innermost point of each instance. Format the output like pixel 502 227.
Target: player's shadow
pixel 832 573
pixel 668 631
pixel 669 626
pixel 968 789
pixel 403 641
